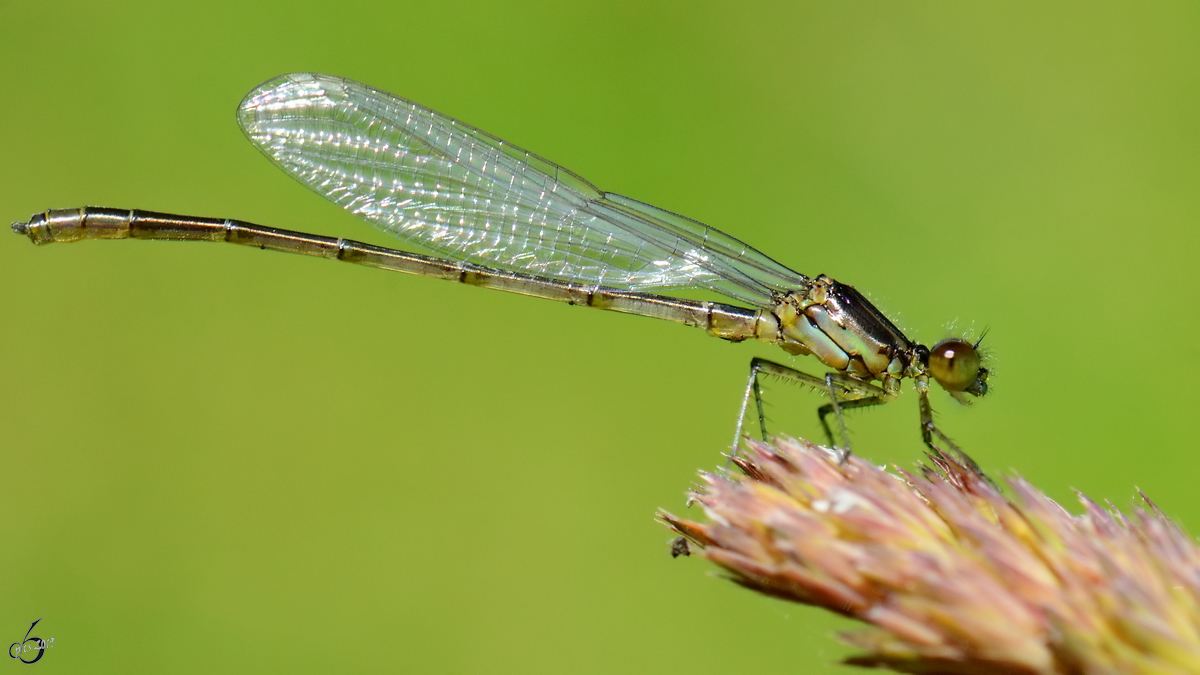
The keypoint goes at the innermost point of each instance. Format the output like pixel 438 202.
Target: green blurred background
pixel 223 459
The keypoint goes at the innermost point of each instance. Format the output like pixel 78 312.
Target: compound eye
pixel 954 364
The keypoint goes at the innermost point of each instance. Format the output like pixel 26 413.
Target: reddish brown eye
pixel 954 364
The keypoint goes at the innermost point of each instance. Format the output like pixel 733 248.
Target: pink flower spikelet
pixel 952 575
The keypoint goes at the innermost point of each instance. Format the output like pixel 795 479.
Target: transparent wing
pixel 454 190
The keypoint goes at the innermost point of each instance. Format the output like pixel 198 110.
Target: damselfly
pixel 505 218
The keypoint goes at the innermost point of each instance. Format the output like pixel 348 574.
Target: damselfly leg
pixel 929 431
pixel 844 392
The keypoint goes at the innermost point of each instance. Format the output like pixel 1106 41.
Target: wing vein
pixel 445 186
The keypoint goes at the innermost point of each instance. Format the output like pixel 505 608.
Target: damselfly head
pixel 957 365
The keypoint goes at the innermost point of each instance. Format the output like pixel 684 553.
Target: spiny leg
pixel 836 407
pixel 929 430
pixel 763 366
pixel 844 391
pixel 837 411
pixel 753 389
